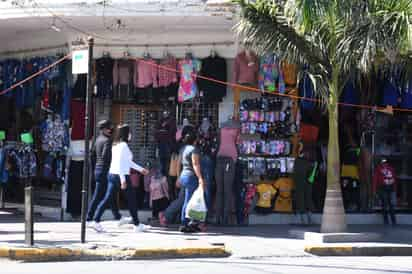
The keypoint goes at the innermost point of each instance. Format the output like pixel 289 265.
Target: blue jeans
pixel 207 166
pixel 112 189
pixel 100 176
pixel 189 184
pixel 175 207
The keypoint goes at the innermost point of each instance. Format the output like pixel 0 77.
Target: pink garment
pixel 147 179
pixel 159 188
pixel 188 87
pixel 179 134
pixel 145 73
pixel 122 72
pixel 228 140
pixel 167 72
pixel 246 69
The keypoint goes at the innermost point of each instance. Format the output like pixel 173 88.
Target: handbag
pixel 174 165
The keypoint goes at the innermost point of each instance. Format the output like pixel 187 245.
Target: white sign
pixel 80 61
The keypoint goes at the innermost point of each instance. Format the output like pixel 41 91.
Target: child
pixel 159 193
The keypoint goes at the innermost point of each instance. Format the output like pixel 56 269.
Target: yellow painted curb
pixel 329 250
pixel 359 250
pixel 66 254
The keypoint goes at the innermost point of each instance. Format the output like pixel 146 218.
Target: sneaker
pixel 125 221
pixel 98 227
pixel 90 224
pixel 162 219
pixel 186 229
pixel 142 228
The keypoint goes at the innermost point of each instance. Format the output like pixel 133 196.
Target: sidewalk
pixel 58 241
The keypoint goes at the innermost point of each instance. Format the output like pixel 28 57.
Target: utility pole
pixel 86 166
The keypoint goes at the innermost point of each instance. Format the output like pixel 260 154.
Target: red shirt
pixel 384 175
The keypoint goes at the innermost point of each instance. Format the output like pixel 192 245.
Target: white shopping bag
pixel 196 208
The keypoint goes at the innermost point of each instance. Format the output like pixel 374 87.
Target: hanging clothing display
pixel 213 67
pixel 269 73
pixel 246 68
pixel 78 124
pixel 266 193
pixel 188 87
pixel 167 71
pixel 145 73
pixel 55 135
pixel 283 202
pixel 104 74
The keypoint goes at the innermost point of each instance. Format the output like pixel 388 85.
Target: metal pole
pixel 28 214
pixel 87 140
pixel 2 199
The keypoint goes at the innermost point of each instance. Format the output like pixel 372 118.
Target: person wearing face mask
pixel 101 158
pixel 119 171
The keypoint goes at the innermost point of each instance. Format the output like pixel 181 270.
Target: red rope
pixel 233 85
pixel 253 89
pixel 34 75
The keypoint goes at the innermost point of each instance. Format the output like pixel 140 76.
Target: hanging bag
pixel 174 165
pixel 196 208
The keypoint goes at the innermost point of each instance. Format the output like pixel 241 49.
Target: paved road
pixel 272 265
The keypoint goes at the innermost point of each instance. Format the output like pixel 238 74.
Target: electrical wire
pixel 75 28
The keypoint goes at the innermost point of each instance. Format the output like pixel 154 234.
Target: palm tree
pixel 334 38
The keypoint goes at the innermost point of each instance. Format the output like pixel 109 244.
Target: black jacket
pixel 102 152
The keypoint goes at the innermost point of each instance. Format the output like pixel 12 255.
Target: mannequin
pixel 165 133
pixel 208 145
pixel 225 169
pixel 205 126
pixel 303 188
pixel 186 122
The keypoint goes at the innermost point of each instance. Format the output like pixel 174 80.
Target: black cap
pixel 105 124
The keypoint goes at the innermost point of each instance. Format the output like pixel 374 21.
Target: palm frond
pixel 264 26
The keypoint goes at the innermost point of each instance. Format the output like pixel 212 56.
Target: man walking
pixel 384 184
pixel 101 158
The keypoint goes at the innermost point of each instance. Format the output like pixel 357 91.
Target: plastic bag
pixel 196 208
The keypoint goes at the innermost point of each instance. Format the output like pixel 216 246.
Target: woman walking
pixel 191 176
pixel 122 162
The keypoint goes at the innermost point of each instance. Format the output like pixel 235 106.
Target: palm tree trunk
pixel 333 219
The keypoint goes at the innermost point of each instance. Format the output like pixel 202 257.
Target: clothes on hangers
pixel 214 67
pixel 269 73
pixel 122 72
pixel 55 135
pixel 78 112
pixel 167 71
pixel 104 77
pixel 23 161
pixel 188 88
pixel 246 68
pixel 145 73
